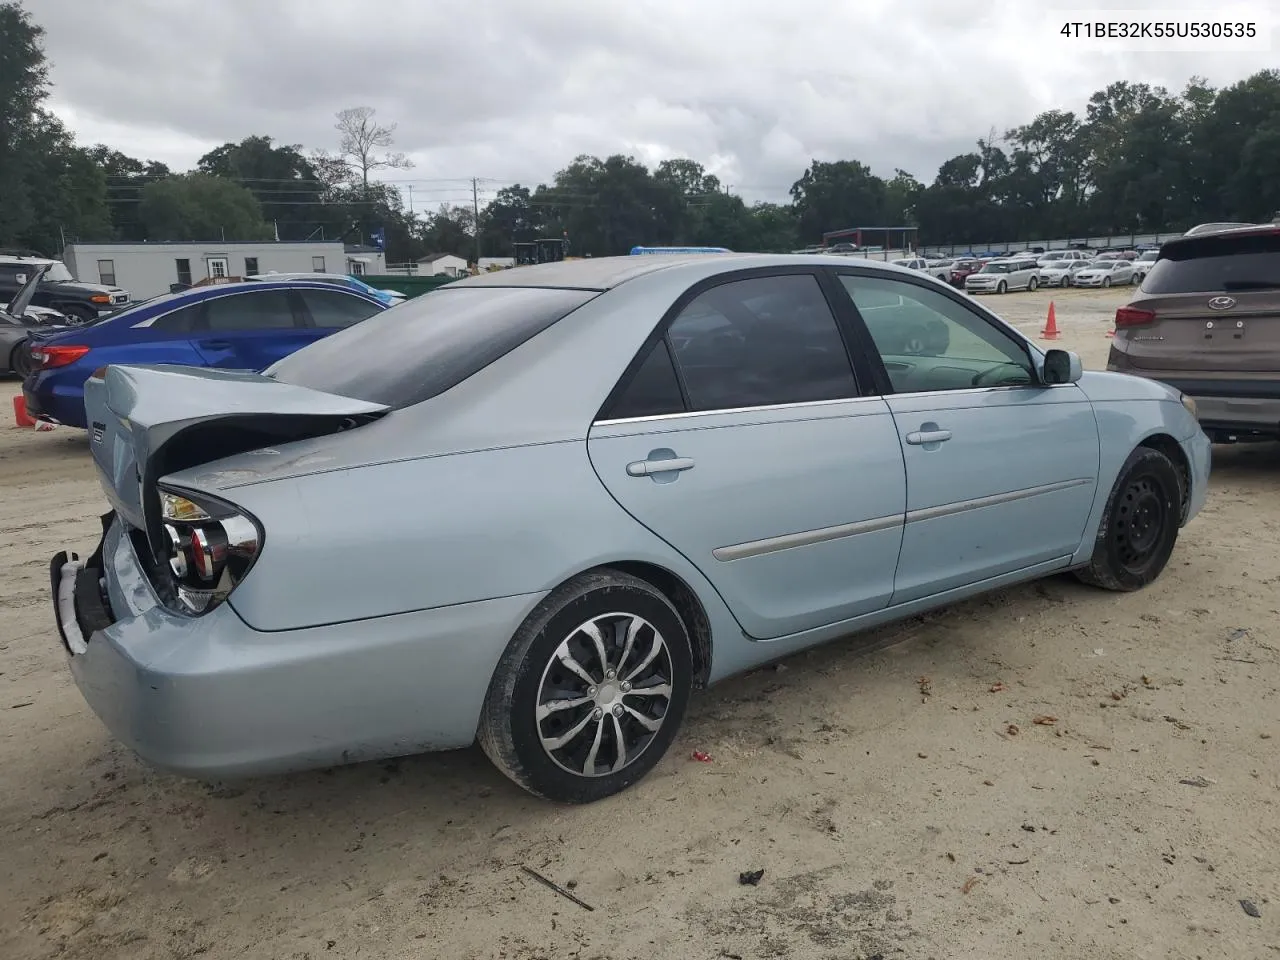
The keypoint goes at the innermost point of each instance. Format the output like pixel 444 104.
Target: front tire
pixel 1002 287
pixel 1032 284
pixel 1106 281
pixel 78 314
pixel 591 690
pixel 1139 524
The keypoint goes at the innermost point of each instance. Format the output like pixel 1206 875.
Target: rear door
pixel 741 438
pixel 250 330
pixel 1209 306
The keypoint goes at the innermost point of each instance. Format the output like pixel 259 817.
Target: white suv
pixel 1003 275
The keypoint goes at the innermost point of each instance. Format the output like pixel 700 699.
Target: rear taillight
pixel 1133 317
pixel 48 357
pixel 210 546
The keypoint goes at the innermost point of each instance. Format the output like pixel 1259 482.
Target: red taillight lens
pixel 56 356
pixel 1133 317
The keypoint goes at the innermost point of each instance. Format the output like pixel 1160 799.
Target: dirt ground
pixel 878 782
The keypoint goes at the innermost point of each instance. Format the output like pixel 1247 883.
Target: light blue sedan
pixel 539 507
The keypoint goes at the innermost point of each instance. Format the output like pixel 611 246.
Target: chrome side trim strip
pixel 806 538
pixel 964 506
pixel 861 401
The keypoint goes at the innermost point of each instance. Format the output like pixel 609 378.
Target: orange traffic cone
pixel 20 417
pixel 1050 331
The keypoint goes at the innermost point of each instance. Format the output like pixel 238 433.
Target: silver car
pixel 539 507
pixel 1003 275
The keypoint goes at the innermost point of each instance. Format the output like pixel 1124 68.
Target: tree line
pixel 1140 159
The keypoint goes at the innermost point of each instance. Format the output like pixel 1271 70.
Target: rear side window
pixel 179 321
pixel 1212 264
pixel 426 345
pixel 331 309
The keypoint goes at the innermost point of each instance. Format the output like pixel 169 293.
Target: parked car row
pixel 233 326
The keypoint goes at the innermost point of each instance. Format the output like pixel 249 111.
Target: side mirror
pixel 1062 366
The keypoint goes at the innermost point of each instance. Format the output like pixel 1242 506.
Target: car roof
pixel 1209 239
pixel 605 273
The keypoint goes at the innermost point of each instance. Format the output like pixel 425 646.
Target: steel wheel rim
pixel 1141 514
pixel 604 695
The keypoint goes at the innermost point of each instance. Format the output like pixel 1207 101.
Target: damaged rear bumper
pixel 210 697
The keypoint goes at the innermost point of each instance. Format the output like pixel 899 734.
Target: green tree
pixel 197 206
pixel 125 178
pixel 833 196
pixel 284 182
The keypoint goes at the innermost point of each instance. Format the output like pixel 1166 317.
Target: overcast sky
pixel 511 90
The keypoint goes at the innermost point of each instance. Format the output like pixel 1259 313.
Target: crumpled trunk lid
pixel 149 421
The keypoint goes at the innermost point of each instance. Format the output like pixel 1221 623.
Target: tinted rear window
pixel 1211 264
pixel 426 345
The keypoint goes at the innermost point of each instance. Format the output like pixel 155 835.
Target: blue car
pixel 234 326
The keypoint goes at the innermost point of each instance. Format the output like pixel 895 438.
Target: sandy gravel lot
pixel 875 781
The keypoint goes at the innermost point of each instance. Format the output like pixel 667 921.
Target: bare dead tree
pixel 364 142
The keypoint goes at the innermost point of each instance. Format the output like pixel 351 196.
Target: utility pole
pixel 410 188
pixel 475 210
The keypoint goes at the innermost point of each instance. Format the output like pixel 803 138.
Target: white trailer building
pixel 149 269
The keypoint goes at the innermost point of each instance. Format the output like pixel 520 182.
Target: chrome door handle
pixel 647 468
pixel 918 437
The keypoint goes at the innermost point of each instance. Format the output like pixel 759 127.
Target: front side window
pixel 265 310
pixel 759 342
pixel 928 342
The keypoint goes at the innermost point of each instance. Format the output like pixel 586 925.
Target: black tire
pixel 20 360
pixel 78 314
pixel 511 733
pixel 1139 524
pixel 1106 281
pixel 1002 287
pixel 1032 284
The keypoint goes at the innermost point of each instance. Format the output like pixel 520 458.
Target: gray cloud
pixel 514 90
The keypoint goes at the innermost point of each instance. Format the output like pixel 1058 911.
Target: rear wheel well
pixel 1172 449
pixel 687 605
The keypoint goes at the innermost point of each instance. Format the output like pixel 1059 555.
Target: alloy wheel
pixel 604 694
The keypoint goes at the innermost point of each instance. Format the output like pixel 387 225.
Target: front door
pixel 1001 470
pixel 741 439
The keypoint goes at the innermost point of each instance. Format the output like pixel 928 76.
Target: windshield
pixel 1102 265
pixel 425 346
pixel 1149 256
pixel 1058 264
pixel 995 268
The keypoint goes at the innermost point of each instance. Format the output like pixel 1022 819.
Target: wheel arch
pixel 686 602
pixel 1172 449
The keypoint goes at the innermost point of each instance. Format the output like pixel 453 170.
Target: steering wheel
pixel 983 374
